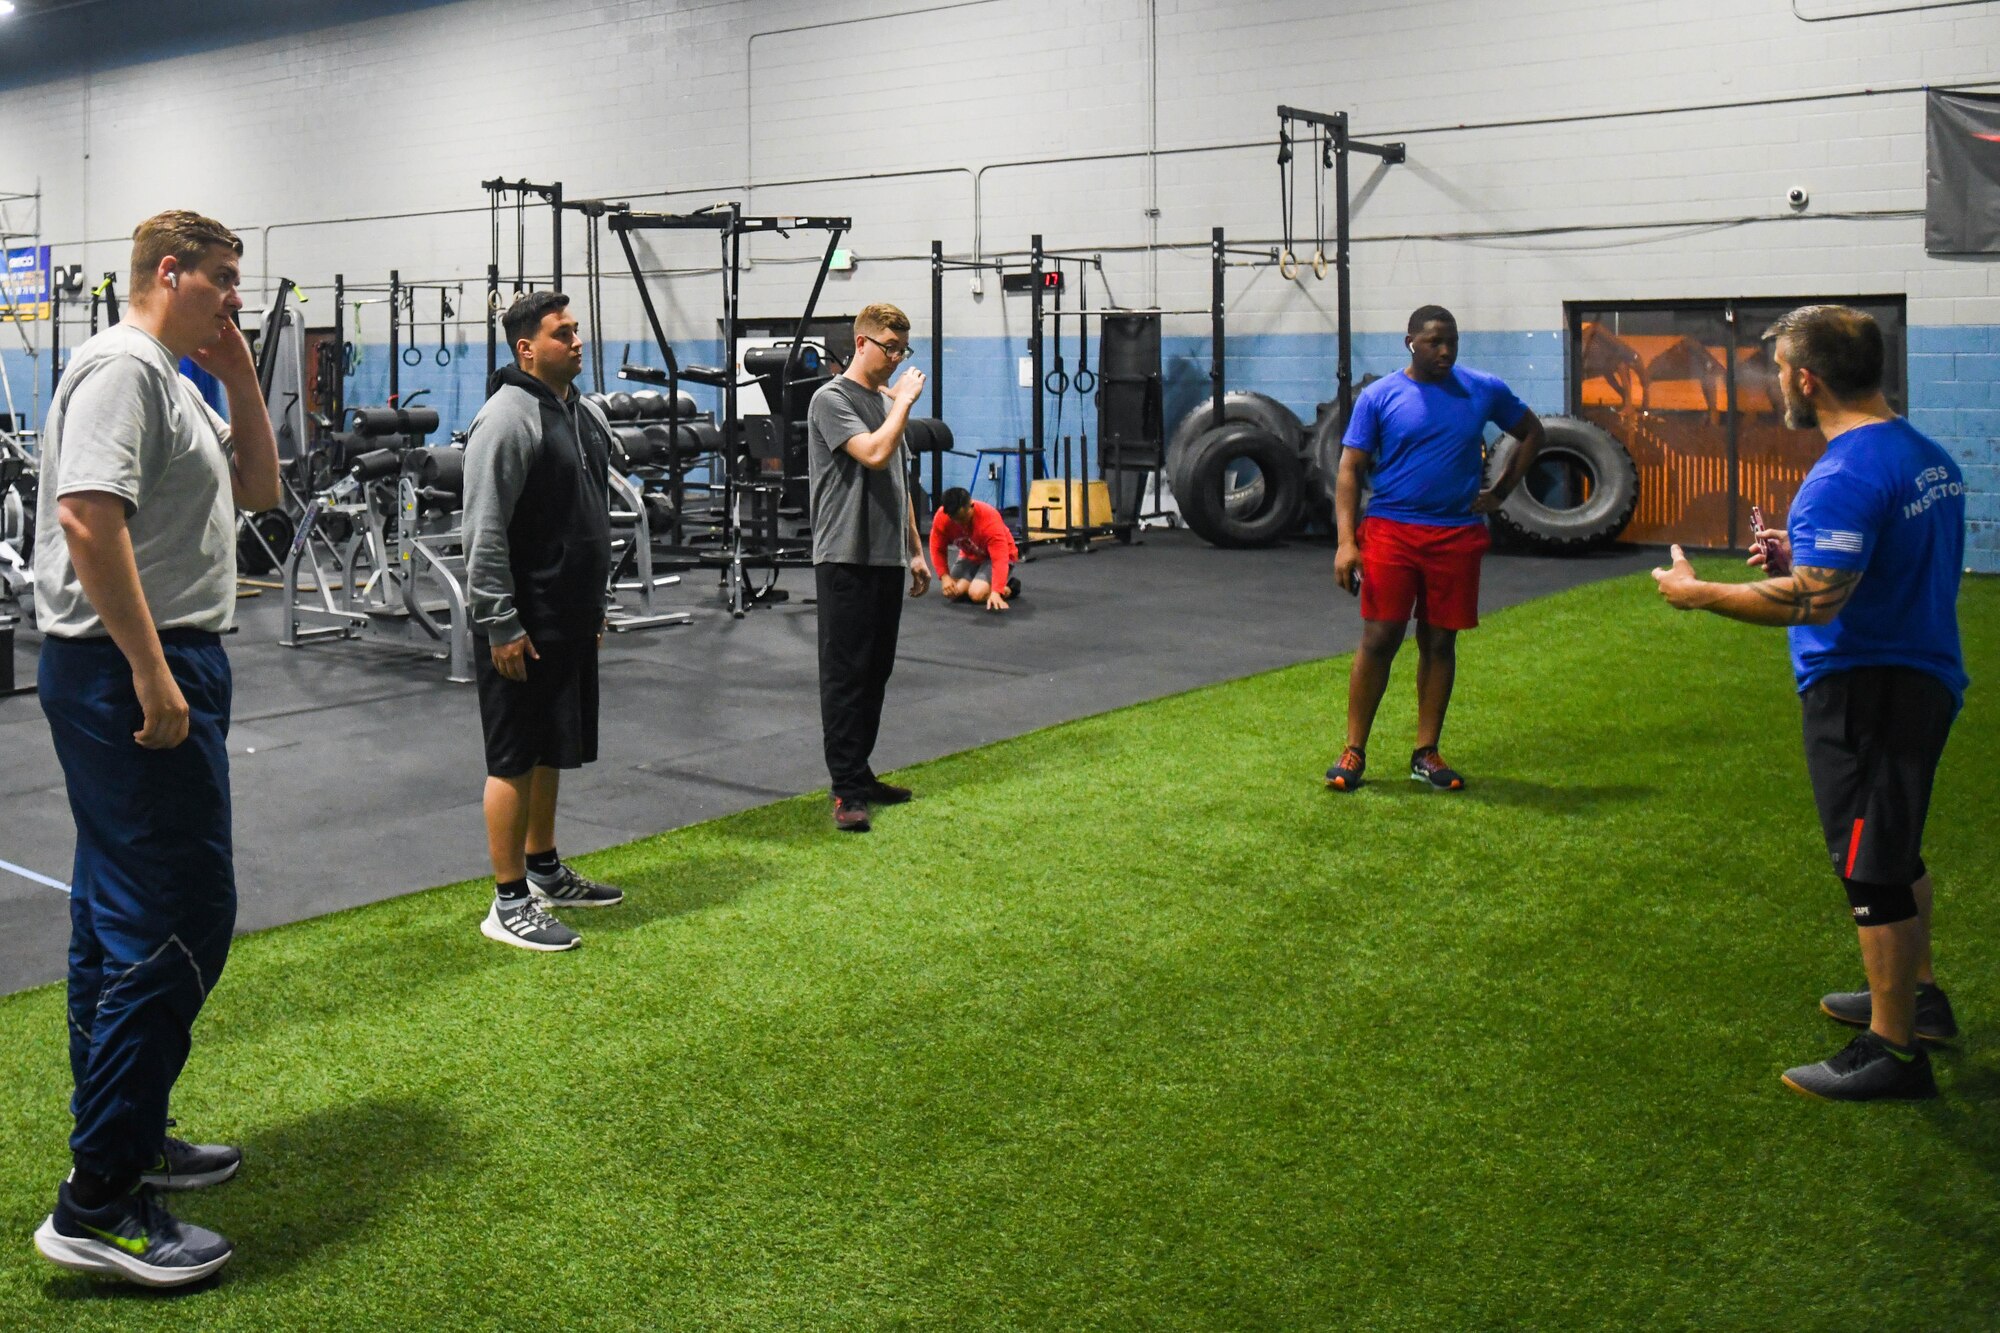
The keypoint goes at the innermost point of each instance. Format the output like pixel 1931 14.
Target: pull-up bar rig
pixel 1077 535
pixel 496 189
pixel 1338 144
pixel 397 295
pixel 730 225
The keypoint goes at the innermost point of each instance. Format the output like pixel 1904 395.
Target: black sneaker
pixel 526 924
pixel 887 793
pixel 1427 766
pixel 1013 588
pixel 1856 1008
pixel 133 1237
pixel 192 1166
pixel 850 816
pixel 566 888
pixel 1346 775
pixel 1867 1069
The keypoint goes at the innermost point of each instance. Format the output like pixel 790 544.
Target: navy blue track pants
pixel 153 894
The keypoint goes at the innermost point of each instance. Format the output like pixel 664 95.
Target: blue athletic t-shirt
pixel 1887 500
pixel 1427 441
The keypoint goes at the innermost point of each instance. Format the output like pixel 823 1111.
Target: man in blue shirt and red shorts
pixel 1867 579
pixel 1418 552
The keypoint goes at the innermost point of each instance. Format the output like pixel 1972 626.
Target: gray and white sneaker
pixel 566 888
pixel 1867 1069
pixel 526 924
pixel 192 1166
pixel 132 1238
pixel 1856 1008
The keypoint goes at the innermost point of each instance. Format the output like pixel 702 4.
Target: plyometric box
pixel 1050 503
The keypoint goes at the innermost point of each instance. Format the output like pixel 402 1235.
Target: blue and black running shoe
pixel 133 1238
pixel 1427 766
pixel 1346 775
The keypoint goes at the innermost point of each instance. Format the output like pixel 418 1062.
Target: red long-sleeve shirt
pixel 989 539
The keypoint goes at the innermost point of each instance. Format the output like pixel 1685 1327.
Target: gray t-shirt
pixel 126 421
pixel 860 515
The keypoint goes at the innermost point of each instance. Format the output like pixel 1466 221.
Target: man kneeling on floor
pixel 979 548
pixel 537 561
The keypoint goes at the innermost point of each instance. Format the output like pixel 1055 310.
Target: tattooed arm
pixel 1806 596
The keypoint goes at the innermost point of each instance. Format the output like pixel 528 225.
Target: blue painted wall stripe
pixel 1954 374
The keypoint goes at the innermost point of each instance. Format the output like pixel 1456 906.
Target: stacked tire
pixel 1240 481
pixel 1251 478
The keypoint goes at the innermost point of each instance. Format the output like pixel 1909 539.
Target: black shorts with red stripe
pixel 1874 736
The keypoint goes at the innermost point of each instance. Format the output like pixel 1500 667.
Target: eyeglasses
pixel 893 353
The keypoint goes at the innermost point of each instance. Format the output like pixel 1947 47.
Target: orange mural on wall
pixel 1691 393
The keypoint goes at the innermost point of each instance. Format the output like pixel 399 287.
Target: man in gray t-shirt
pixel 135 581
pixel 126 422
pixel 864 536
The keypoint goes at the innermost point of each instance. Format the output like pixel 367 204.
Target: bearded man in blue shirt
pixel 1867 578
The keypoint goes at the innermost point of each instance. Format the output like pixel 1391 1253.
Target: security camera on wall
pixel 1797 198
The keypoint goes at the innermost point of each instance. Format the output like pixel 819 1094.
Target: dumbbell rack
pixel 748 503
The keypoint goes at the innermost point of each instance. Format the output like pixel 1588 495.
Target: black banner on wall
pixel 1962 213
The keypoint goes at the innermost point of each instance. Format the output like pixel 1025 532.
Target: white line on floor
pixel 26 873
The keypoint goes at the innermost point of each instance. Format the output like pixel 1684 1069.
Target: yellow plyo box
pixel 1049 505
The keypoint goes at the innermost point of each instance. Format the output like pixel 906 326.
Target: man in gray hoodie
pixel 538 562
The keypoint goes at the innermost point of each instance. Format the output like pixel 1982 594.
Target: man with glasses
pixel 864 536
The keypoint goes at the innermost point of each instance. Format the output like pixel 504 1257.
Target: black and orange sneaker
pixel 1346 775
pixel 1427 766
pixel 887 793
pixel 850 815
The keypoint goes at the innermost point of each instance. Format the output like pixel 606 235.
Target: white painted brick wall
pixel 406 115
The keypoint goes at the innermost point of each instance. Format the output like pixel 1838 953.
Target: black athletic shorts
pixel 547 721
pixel 1873 739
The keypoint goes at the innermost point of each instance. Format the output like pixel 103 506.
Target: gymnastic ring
pixel 443 357
pixel 1056 382
pixel 1319 264
pixel 1288 265
pixel 413 356
pixel 1084 381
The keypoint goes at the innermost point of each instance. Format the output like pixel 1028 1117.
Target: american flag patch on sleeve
pixel 1835 539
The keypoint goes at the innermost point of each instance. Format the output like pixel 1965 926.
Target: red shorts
pixel 1413 569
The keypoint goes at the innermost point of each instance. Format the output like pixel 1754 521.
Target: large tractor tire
pixel 1578 496
pixel 1238 405
pixel 1240 485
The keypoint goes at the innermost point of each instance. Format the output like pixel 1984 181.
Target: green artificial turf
pixel 1130 1023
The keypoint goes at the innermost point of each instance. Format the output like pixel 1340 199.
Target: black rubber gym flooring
pixel 357 769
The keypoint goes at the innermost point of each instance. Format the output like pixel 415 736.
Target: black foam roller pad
pixel 395 420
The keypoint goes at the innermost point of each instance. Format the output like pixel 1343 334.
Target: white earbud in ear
pixel 174 281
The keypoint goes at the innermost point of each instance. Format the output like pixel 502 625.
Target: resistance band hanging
pixel 1322 168
pixel 1288 263
pixel 413 355
pixel 445 312
pixel 1084 381
pixel 594 294
pixel 1057 380
pixel 520 245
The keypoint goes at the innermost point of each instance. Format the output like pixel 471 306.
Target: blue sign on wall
pixel 25 287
